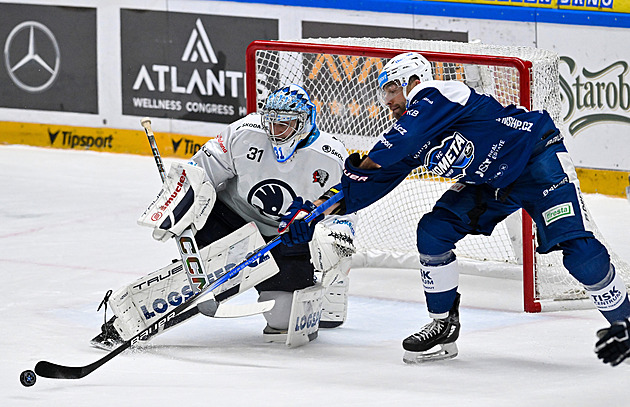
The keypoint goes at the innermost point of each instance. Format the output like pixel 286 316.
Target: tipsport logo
pixel 74 140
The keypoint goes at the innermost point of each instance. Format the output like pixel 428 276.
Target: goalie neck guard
pixel 288 117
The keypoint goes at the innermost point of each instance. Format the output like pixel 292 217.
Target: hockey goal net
pixel 340 74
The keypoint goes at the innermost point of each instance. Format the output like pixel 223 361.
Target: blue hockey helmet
pixel 288 117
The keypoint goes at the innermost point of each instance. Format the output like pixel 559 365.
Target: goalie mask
pixel 397 73
pixel 288 118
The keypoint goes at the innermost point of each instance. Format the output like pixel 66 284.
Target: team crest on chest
pixel 451 158
pixel 320 176
pixel 270 197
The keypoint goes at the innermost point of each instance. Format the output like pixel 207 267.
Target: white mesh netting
pixel 343 87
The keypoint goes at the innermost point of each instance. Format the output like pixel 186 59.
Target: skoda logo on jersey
pixel 270 197
pixel 451 158
pixel 32 57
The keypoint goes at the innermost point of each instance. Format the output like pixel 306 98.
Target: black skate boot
pixel 440 332
pixel 109 338
pixel 280 335
pixel 274 335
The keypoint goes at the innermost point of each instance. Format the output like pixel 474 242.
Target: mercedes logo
pixel 29 53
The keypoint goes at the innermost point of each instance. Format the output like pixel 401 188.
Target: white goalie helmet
pixel 396 74
pixel 288 118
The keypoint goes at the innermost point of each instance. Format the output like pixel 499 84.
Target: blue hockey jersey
pixel 454 132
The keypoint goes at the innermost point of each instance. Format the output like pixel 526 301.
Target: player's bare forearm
pixel 368 164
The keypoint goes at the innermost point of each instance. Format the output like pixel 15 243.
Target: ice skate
pixel 436 340
pixel 109 338
pixel 274 335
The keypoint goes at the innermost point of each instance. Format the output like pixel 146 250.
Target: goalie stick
pixel 186 244
pixel 55 371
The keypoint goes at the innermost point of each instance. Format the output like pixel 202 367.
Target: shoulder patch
pixel 320 177
pixel 329 150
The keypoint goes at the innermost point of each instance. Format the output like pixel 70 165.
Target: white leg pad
pixel 136 306
pixel 306 312
pixel 335 301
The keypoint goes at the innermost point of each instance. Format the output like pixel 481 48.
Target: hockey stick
pixel 55 371
pixel 188 250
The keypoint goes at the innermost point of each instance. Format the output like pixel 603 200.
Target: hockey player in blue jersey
pixel 503 158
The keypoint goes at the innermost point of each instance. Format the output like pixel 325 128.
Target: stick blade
pixel 243 310
pixel 55 371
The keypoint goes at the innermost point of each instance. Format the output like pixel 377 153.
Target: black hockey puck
pixel 28 378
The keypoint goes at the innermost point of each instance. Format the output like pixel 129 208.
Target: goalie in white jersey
pixel 252 172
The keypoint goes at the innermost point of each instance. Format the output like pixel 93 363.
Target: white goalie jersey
pixel 241 164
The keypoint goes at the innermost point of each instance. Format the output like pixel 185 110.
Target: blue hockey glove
pixel 613 345
pixel 362 187
pixel 296 229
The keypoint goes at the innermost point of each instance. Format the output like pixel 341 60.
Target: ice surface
pixel 68 233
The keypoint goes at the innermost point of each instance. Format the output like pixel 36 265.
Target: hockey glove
pixel 186 199
pixel 295 230
pixel 613 345
pixel 362 187
pixel 333 240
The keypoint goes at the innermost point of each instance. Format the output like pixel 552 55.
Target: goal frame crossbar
pixel 530 300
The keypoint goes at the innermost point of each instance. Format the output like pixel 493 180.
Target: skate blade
pixel 446 351
pixel 279 338
pixel 103 346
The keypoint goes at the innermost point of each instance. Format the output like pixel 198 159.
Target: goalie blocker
pixel 186 199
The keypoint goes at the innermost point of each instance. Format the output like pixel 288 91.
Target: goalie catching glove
pixel 613 345
pixel 186 199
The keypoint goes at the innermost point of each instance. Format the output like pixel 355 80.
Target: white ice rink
pixel 68 233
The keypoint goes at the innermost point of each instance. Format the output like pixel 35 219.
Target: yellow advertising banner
pixel 184 146
pixel 617 6
pixel 98 139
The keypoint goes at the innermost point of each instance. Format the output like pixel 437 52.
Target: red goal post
pixel 327 69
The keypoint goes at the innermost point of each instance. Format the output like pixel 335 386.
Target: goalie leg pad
pixel 294 320
pixel 331 250
pixel 306 311
pixel 137 305
pixel 335 301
